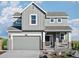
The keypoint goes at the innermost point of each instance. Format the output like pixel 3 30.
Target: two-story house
pixel 37 29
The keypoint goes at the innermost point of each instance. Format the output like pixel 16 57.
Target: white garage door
pixel 26 43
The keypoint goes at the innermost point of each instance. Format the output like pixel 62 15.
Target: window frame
pixel 31 19
pixel 53 20
pixel 18 22
pixel 58 19
pixel 61 36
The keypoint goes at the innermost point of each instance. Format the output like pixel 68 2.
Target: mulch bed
pixel 2 51
pixel 53 55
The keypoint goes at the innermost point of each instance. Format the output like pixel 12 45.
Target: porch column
pixel 10 42
pixel 43 40
pixel 69 40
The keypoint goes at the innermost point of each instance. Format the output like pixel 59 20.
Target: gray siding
pixel 67 36
pixel 25 19
pixel 64 22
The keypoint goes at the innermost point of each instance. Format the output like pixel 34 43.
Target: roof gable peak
pixel 34 4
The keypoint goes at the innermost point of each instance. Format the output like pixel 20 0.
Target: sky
pixel 8 8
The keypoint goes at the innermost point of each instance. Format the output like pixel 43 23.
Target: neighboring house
pixel 36 29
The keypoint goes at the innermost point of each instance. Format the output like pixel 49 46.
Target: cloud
pixel 38 2
pixel 74 23
pixel 14 3
pixel 4 3
pixel 6 13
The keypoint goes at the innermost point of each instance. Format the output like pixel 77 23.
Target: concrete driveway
pixel 21 54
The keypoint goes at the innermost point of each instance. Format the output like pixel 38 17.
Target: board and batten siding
pixel 26 18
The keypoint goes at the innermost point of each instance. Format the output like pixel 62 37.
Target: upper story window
pixel 59 20
pixel 33 19
pixel 17 23
pixel 52 20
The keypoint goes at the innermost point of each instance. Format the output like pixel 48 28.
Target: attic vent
pixel 32 6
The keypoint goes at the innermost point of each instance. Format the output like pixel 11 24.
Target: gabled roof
pixel 56 14
pixel 35 5
pixel 13 29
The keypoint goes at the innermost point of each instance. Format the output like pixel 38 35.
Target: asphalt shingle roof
pixel 56 14
pixel 58 28
pixel 17 14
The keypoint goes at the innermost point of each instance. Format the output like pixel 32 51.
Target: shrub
pixel 4 45
pixel 75 45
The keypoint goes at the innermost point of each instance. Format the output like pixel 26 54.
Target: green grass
pixel 4 46
pixel 4 43
pixel 75 45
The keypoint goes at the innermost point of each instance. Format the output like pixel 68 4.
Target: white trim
pixel 16 16
pixel 33 34
pixel 57 16
pixel 31 4
pixel 56 30
pixel 53 20
pixel 69 37
pixel 18 34
pixel 49 35
pixel 43 36
pixel 14 30
pixel 69 40
pixel 58 19
pixel 30 19
pixel 11 42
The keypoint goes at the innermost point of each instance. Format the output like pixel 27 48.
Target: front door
pixel 50 41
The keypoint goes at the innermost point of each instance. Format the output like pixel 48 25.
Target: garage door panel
pixel 25 43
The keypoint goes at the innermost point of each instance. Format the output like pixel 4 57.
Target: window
pixel 47 38
pixel 17 23
pixel 59 20
pixel 61 37
pixel 52 20
pixel 33 19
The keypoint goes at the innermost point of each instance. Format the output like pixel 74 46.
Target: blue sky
pixel 7 8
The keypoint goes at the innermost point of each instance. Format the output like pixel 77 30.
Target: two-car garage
pixel 26 42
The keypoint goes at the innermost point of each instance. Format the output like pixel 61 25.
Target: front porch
pixel 56 40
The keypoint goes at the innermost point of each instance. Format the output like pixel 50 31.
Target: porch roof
pixel 58 28
pixel 13 29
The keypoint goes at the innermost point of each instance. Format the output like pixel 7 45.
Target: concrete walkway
pixel 21 54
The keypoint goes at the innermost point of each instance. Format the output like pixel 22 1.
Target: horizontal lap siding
pixel 26 19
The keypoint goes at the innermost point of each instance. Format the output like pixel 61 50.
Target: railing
pixel 61 45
